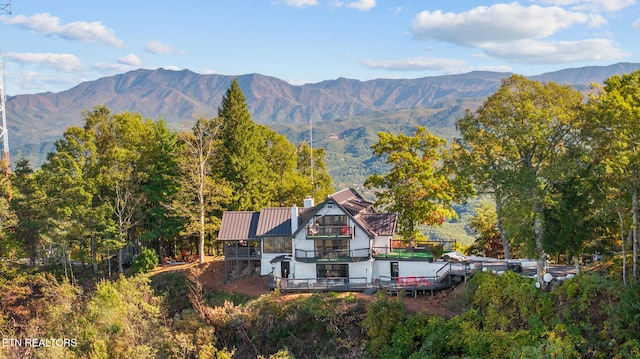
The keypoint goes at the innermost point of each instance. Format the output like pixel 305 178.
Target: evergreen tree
pixel 242 164
pixel 161 167
pixel 28 203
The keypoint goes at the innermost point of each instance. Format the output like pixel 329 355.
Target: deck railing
pixel 322 284
pixel 336 255
pixel 411 253
pixel 342 231
pixel 413 283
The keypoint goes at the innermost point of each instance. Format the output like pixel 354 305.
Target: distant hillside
pixel 346 114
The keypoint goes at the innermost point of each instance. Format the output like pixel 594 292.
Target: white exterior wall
pixel 303 270
pixel 360 240
pixel 265 263
pixel 382 268
pixel 381 241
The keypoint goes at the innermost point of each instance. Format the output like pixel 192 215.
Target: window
pixel 331 220
pixel 332 270
pixel 331 247
pixel 276 244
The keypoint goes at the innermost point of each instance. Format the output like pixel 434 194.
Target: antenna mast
pixel 5 7
pixel 313 181
pixel 4 133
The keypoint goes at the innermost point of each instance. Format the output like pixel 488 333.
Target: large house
pixel 341 243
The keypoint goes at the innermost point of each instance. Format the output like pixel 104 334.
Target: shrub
pixel 146 261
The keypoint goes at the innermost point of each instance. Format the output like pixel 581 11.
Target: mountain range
pixel 344 112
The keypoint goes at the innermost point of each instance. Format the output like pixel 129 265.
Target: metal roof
pixel 351 200
pixel 277 221
pixel 238 226
pixel 274 222
pixel 382 224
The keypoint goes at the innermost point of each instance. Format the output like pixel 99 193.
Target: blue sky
pixel 54 45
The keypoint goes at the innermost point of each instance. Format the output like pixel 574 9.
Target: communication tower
pixel 4 133
pixel 5 7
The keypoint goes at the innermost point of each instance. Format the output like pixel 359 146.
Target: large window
pixel 331 220
pixel 332 248
pixel 276 244
pixel 332 270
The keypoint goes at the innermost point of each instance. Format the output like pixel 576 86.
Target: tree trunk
pixel 120 267
pixel 503 236
pixel 201 239
pixel 623 245
pixel 94 255
pixel 538 230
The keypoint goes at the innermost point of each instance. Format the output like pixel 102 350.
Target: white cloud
pixel 172 68
pixel 130 59
pixel 62 62
pixel 636 25
pixel 413 64
pixel 105 68
pixel 497 23
pixel 497 68
pixel 41 81
pixel 362 5
pixel 301 3
pixel 46 24
pixel 553 52
pixel 516 33
pixel 591 5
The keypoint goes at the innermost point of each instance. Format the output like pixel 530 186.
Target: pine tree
pixel 242 164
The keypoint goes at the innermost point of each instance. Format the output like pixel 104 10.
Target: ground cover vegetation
pixel 560 173
pixel 593 315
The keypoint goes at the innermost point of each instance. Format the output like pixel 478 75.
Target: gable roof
pixel 238 226
pixel 351 200
pixel 277 221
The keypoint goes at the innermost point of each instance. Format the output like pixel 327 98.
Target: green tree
pixel 8 221
pixel 476 158
pixel 315 169
pixel 484 225
pixel 241 163
pixel 28 203
pixel 527 127
pixel 200 197
pixel 614 118
pixel 71 191
pixel 573 217
pixel 120 141
pixel 160 225
pixel 417 186
pixel 288 186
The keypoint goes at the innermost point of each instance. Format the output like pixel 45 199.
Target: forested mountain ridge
pixel 178 96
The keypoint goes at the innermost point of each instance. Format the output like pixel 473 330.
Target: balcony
pixel 319 232
pixel 336 255
pixel 408 253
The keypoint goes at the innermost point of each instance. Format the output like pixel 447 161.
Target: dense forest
pixel 558 175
